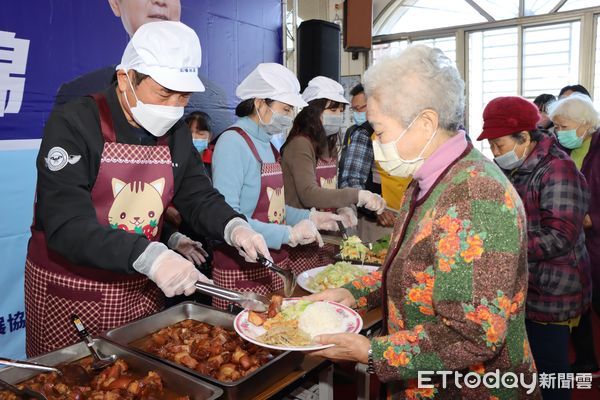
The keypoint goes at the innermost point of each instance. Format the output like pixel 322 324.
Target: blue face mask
pixel 510 160
pixel 569 139
pixel 359 117
pixel 200 144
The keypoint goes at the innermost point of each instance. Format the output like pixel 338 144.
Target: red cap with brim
pixel 507 115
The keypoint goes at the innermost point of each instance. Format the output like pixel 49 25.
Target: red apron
pixel 229 268
pixel 303 258
pixel 133 187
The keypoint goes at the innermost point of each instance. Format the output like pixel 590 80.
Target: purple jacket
pixel 591 170
pixel 556 199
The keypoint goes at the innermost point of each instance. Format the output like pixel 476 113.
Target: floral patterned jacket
pixel 453 286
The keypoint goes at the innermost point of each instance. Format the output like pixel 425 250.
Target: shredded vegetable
pixel 336 275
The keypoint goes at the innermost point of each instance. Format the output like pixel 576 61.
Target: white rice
pixel 320 318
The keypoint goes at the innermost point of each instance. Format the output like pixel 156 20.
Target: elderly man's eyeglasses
pixel 360 108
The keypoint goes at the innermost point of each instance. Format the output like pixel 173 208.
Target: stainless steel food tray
pixel 174 380
pixel 244 388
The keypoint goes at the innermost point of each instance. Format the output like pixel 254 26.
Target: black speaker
pixel 319 47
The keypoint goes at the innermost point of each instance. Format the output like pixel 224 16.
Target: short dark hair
pixel 535 135
pixel 575 88
pixel 358 89
pixel 543 100
pixel 138 77
pixel 203 120
pixel 246 107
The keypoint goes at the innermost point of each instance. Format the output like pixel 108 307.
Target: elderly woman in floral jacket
pixel 454 282
pixel 555 196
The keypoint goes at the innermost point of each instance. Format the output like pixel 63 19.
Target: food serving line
pixel 284 371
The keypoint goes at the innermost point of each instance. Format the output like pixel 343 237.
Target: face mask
pixel 569 139
pixel 154 118
pixel 510 160
pixel 279 123
pixel 389 159
pixel 332 123
pixel 359 117
pixel 200 144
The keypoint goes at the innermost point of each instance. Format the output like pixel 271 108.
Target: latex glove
pixel 325 220
pixel 304 232
pixel 249 243
pixel 188 248
pixel 175 275
pixel 371 201
pixel 348 215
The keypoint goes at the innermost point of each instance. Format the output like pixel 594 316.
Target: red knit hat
pixel 507 115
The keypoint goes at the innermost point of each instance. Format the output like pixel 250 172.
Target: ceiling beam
pixel 480 10
pixel 558 6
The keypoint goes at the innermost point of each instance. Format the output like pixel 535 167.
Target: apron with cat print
pixel 133 187
pixel 303 258
pixel 229 268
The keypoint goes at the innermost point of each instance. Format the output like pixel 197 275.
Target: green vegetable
pixel 293 311
pixel 336 275
pixel 381 244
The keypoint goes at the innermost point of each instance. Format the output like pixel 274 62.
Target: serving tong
pixel 24 393
pixel 248 300
pixel 288 277
pixel 100 361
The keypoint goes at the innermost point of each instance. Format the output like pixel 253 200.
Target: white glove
pixel 371 201
pixel 304 232
pixel 324 220
pixel 348 215
pixel 175 275
pixel 249 243
pixel 188 248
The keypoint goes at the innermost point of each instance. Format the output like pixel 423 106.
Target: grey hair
pixel 577 107
pixel 417 79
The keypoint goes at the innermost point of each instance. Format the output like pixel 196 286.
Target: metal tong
pixel 288 277
pixel 24 393
pixel 28 365
pixel 100 361
pixel 343 230
pixel 248 300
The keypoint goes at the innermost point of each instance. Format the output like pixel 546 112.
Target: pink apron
pixel 133 187
pixel 229 268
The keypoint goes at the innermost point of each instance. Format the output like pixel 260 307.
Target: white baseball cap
pixel 169 52
pixel 271 81
pixel 321 87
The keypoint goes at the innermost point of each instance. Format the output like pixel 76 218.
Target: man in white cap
pixel 108 166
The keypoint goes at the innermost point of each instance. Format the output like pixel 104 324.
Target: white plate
pixel 304 278
pixel 351 323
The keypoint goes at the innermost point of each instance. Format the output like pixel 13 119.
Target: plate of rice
pixel 298 323
pixel 332 276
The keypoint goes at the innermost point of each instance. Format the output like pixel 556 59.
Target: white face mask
pixel 332 123
pixel 389 159
pixel 154 118
pixel 279 123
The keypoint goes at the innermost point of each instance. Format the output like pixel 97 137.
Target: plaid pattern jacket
pixel 357 159
pixel 556 199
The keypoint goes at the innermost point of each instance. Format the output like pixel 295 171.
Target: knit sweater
pixel 453 285
pixel 299 163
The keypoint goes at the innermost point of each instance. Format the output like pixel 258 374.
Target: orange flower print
pixel 505 305
pixel 450 224
pixel 414 295
pixel 368 280
pixel 394 316
pixel 425 227
pixel 420 393
pixel 479 368
pixel 427 310
pixel 445 264
pixel 362 302
pixel 396 359
pixel 357 284
pixel 475 249
pixel 449 245
pixel 497 329
pixel 517 303
pixel 494 398
pixel 508 200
